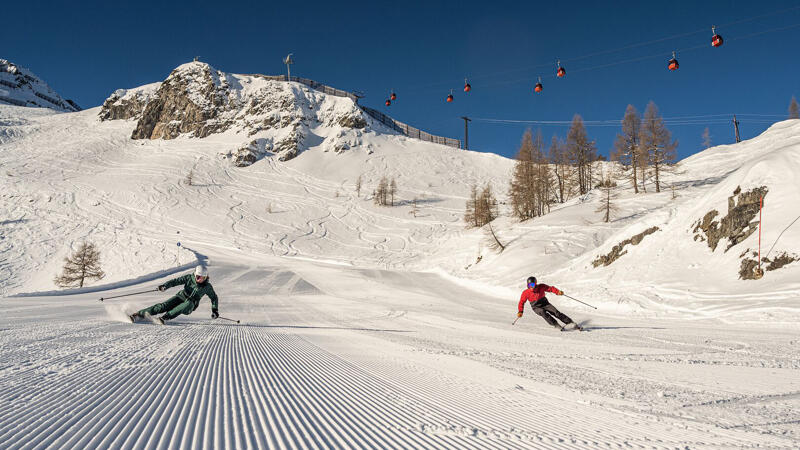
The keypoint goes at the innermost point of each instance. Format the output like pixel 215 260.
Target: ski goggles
pixel 199 278
pixel 531 285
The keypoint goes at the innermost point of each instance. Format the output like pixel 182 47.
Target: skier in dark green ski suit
pixel 195 286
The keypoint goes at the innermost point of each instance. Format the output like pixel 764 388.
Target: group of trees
pixel 385 192
pixel 644 147
pixel 644 150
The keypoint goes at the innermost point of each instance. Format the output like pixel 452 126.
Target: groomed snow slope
pixel 336 357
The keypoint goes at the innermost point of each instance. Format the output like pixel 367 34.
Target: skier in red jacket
pixel 535 294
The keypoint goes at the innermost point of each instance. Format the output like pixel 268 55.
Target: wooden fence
pixel 396 125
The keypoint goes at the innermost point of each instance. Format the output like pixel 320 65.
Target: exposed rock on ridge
pixel 197 100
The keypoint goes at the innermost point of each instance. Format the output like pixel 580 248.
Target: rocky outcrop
pixel 190 100
pixel 749 268
pixel 737 225
pixel 619 249
pixel 127 104
pixel 197 100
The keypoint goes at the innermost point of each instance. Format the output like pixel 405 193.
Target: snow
pixel 367 326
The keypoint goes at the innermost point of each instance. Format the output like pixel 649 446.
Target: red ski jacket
pixel 535 294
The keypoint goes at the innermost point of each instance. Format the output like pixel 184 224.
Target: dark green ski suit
pixel 185 301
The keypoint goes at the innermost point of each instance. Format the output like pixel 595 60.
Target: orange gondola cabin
pixel 673 63
pixel 393 96
pixel 467 87
pixel 388 102
pixel 538 87
pixel 450 98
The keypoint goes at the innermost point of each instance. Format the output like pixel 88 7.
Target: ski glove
pixel 560 293
pixel 214 313
pixel 519 314
pixel 162 288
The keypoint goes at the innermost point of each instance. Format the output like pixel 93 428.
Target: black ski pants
pixel 548 312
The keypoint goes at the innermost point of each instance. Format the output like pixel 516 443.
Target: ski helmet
pixel 200 271
pixel 531 281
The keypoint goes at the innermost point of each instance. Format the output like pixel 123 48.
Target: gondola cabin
pixel 716 40
pixel 538 87
pixel 467 87
pixel 673 63
pixel 393 96
pixel 450 98
pixel 561 72
pixel 388 102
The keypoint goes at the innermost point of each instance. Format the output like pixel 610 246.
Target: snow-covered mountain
pixel 19 86
pixel 366 326
pixel 275 165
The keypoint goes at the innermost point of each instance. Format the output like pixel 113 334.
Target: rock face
pixel 275 117
pixel 749 267
pixel 127 104
pixel 619 249
pixel 737 225
pixel 20 87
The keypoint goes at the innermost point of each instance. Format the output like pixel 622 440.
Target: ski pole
pixel 127 295
pixel 565 295
pixel 515 320
pixel 225 318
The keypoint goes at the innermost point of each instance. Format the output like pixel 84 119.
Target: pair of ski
pixel 564 328
pixel 136 316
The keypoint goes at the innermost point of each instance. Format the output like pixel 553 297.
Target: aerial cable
pixel 627 47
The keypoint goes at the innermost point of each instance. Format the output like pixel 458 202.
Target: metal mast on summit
pixel 288 61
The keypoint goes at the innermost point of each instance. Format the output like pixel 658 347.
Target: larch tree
pixel 657 142
pixel 481 208
pixel 531 180
pixel 392 190
pixel 471 213
pixel 794 109
pixel 562 171
pixel 521 179
pixel 581 152
pixel 627 150
pixel 82 265
pixel 381 193
pixel 607 205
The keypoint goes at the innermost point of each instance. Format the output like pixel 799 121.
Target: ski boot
pixel 135 316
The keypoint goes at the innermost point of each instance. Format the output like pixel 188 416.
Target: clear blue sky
pixel 86 50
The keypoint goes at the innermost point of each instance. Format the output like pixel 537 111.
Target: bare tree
pixel 471 213
pixel 562 170
pixel 521 189
pixel 359 182
pixel 493 241
pixel 392 190
pixel 607 206
pixel 82 265
pixel 627 150
pixel 381 194
pixel 481 209
pixel 706 138
pixel 658 143
pixel 414 208
pixel 794 109
pixel 581 152
pixel 189 178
